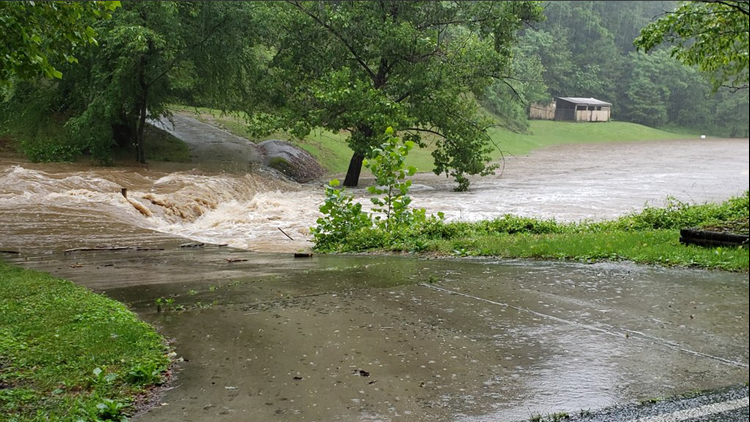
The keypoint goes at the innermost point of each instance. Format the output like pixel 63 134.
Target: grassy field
pixel 545 133
pixel 68 354
pixel 332 152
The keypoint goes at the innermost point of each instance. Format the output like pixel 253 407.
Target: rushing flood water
pixel 265 336
pixel 250 210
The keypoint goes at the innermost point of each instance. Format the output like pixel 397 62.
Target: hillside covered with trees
pixel 586 49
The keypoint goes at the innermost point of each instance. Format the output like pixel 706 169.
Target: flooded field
pixel 264 336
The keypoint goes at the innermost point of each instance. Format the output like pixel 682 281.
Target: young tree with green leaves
pixel 361 67
pixel 39 34
pixel 711 35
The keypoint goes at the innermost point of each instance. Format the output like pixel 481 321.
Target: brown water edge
pixel 342 338
pixel 249 210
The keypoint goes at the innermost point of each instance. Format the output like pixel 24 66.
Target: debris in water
pixel 111 248
pixel 303 254
pixel 192 245
pixel 290 237
pixel 361 373
pixel 230 260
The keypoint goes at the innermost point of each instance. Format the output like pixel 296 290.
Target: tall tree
pixel 151 52
pixel 712 35
pixel 38 34
pixel 363 66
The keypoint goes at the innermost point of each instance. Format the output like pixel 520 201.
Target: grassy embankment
pixel 332 152
pixel 68 354
pixel 648 237
pixel 45 138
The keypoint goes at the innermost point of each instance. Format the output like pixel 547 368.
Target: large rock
pixel 291 160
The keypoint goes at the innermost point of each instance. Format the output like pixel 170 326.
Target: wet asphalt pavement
pixel 267 337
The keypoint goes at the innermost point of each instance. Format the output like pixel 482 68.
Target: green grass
pixel 545 133
pixel 660 247
pixel 68 354
pixel 332 152
pixel 650 237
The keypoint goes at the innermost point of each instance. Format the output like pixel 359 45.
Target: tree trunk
pixel 355 168
pixel 141 106
pixel 139 144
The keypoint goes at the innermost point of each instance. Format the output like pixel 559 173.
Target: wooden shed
pixel 540 111
pixel 576 109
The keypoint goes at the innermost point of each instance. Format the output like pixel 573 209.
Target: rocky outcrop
pixel 214 148
pixel 290 160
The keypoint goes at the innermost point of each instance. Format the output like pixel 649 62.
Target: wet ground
pixel 268 337
pixel 264 336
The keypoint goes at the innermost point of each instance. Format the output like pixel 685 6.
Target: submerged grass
pixel 650 237
pixel 68 354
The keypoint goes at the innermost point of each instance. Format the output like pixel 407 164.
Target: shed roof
pixel 587 101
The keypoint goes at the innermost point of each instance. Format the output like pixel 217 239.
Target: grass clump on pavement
pixel 69 354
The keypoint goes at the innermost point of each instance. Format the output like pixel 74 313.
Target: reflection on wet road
pixel 267 337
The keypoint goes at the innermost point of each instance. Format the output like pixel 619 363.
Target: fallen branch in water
pixel 290 237
pixel 192 245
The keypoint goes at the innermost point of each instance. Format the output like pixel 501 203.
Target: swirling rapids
pixel 54 206
pixel 244 211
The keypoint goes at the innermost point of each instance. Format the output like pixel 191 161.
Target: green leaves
pixel 344 226
pixel 710 35
pixel 342 216
pixel 362 66
pixel 36 35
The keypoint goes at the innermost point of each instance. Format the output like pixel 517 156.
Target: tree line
pixel 596 49
pixel 437 72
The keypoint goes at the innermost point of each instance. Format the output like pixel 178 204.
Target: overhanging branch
pixel 338 36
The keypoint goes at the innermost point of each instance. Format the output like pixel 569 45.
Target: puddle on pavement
pixel 341 338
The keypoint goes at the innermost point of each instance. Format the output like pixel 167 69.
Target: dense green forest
pixel 443 71
pixel 586 49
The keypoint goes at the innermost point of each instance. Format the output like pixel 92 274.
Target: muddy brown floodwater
pixel 263 336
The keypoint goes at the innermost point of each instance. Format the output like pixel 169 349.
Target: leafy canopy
pixel 711 35
pixel 37 35
pixel 361 67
